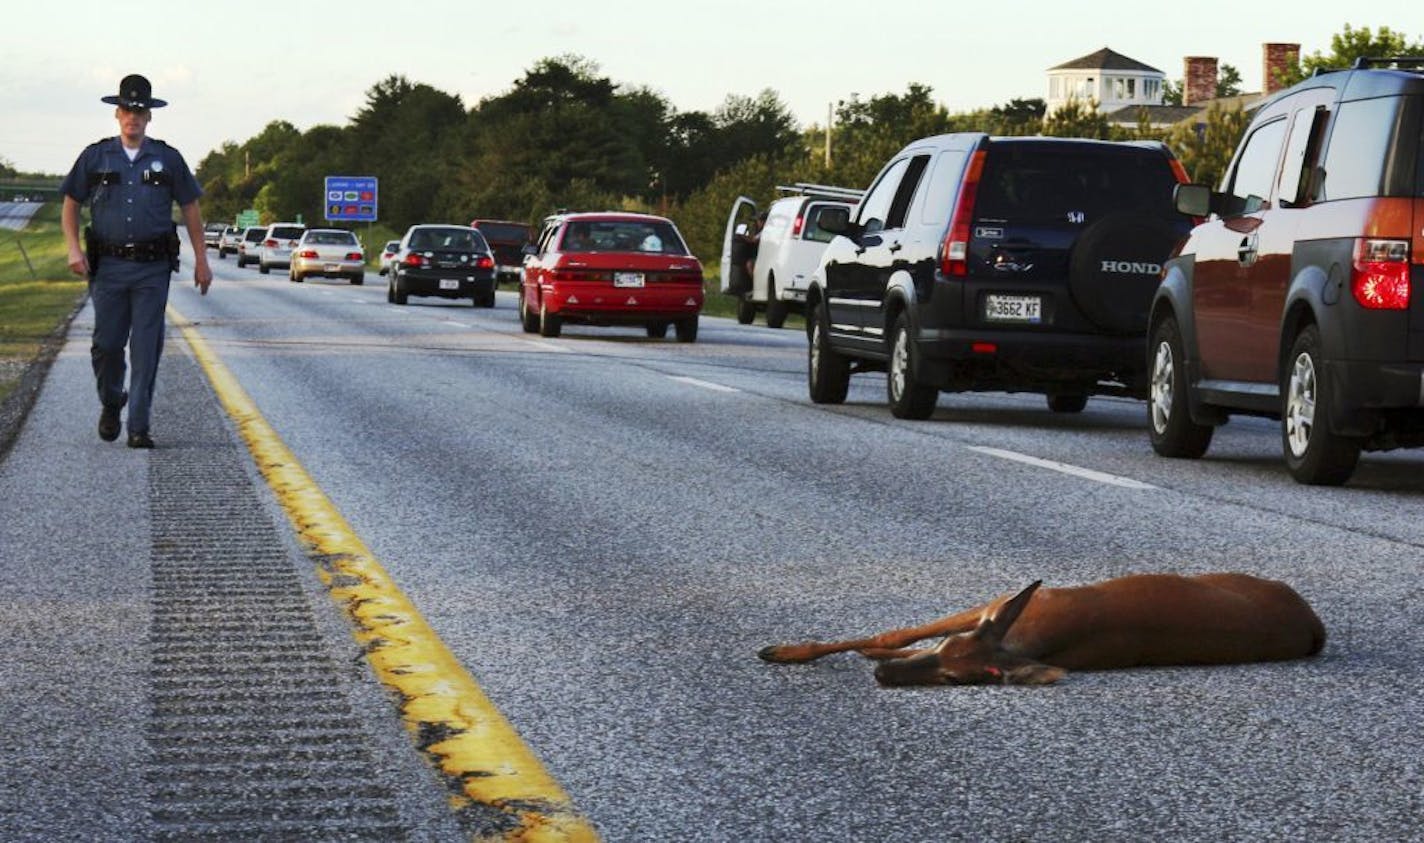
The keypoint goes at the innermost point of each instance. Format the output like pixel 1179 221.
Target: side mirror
pixel 1194 200
pixel 834 220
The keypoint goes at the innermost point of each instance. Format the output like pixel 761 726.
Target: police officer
pixel 131 248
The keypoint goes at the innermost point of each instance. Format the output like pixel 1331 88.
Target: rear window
pixel 504 231
pixel 654 236
pixel 1052 181
pixel 331 238
pixel 255 235
pixel 448 240
pixel 811 230
pixel 287 232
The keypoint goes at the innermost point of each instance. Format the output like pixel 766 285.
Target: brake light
pixel 355 256
pixel 413 259
pixel 796 226
pixel 954 252
pixel 580 275
pixel 484 262
pixel 308 253
pixel 269 243
pixel 1380 280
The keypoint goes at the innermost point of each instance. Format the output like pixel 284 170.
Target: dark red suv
pixel 1294 299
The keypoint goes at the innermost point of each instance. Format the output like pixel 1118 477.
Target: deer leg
pixel 880 654
pixel 877 646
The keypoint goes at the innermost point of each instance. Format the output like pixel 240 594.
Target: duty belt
pixel 145 251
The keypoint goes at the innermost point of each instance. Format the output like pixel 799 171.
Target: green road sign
pixel 247 219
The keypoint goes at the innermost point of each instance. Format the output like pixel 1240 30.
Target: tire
pixel 1315 455
pixel 827 372
pixel 1067 402
pixel 390 292
pixel 358 278
pixel 686 329
pixel 775 307
pixel 263 268
pixel 528 319
pixel 1114 300
pixel 1169 422
pixel 398 291
pixel 746 311
pixel 487 300
pixel 657 330
pixel 550 324
pixel 295 277
pixel 908 398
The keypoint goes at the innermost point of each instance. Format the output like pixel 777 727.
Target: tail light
pixel 355 256
pixel 413 259
pixel 581 275
pixel 484 262
pixel 1380 280
pixel 269 243
pixel 308 253
pixel 954 252
pixel 796 226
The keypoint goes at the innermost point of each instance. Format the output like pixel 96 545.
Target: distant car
pixel 227 243
pixel 278 244
pixel 249 247
pixel 388 255
pixel 507 240
pixel 611 269
pixel 211 232
pixel 788 251
pixel 328 253
pixel 449 261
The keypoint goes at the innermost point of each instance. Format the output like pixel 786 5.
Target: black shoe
pixel 140 440
pixel 109 424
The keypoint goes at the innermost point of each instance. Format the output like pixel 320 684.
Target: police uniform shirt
pixel 132 201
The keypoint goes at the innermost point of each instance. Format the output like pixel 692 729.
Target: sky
pixel 228 69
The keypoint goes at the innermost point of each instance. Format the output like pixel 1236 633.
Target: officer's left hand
pixel 202 275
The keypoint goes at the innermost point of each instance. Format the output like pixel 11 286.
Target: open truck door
pixel 735 280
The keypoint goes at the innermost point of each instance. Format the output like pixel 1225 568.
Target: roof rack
pixel 1401 62
pixel 826 190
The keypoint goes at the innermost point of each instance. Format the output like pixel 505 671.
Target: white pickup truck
pixel 788 251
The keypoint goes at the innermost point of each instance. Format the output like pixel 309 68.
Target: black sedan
pixel 449 261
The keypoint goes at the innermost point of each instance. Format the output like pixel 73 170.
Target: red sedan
pixel 611 269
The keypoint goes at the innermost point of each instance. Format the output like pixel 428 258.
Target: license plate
pixel 627 279
pixel 1013 309
pixel 331 267
pixel 449 283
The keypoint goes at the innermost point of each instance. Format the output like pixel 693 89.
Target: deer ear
pixel 996 626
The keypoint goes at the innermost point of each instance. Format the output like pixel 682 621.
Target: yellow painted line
pixel 471 742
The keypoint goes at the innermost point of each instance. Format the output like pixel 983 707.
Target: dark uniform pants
pixel 129 302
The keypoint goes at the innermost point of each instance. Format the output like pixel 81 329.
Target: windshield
pixel 448 239
pixel 655 236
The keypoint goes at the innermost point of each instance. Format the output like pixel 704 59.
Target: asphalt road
pixel 604 529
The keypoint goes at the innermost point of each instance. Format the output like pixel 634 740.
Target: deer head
pixel 975 658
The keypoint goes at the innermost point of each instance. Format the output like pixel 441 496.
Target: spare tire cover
pixel 1115 268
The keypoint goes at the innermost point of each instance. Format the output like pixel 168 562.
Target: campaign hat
pixel 135 92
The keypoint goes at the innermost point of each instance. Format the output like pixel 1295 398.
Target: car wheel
pixel 399 291
pixel 263 268
pixel 908 398
pixel 528 319
pixel 1170 424
pixel 488 300
pixel 358 278
pixel 686 329
pixel 391 292
pixel 657 330
pixel 1315 455
pixel 827 372
pixel 1070 402
pixel 775 308
pixel 550 324
pixel 746 310
pixel 296 277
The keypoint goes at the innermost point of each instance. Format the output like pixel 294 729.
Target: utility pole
pixel 830 112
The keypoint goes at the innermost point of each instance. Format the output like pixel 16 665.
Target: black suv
pixel 1294 300
pixel 986 263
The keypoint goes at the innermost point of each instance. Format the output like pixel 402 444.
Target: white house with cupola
pixel 1111 79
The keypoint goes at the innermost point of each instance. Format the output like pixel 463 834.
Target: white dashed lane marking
pixel 715 387
pixel 1064 468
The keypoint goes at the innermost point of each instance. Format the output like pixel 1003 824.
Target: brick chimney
pixel 1199 80
pixel 1276 59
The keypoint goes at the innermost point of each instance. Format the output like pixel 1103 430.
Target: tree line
pixel 566 136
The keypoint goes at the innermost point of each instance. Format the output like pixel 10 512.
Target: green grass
pixel 715 303
pixel 31 306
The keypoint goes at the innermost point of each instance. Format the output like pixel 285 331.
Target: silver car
pixel 329 253
pixel 277 246
pixel 250 244
pixel 228 241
